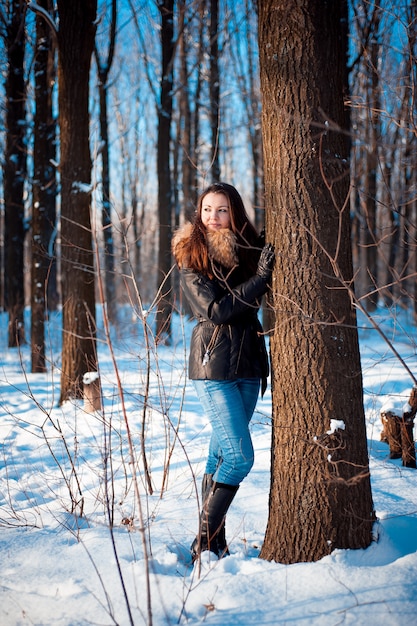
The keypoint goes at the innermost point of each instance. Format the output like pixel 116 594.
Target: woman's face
pixel 215 211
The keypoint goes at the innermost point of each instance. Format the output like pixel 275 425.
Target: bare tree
pixel 75 46
pixel 320 496
pixel 43 272
pixel 244 57
pixel 214 89
pixel 384 140
pixel 103 69
pixel 191 70
pixel 196 114
pixel 165 195
pixel 368 125
pixel 412 93
pixel 14 167
pixel 184 134
pixel 405 267
pixel 132 204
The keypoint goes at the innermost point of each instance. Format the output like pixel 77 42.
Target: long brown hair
pixel 248 244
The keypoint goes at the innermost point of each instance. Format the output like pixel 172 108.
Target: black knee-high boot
pixel 212 517
pixel 206 485
pixel 223 550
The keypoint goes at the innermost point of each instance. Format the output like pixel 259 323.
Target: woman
pixel 224 273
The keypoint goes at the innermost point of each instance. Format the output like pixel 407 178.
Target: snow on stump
pixel 398 429
pixel 92 392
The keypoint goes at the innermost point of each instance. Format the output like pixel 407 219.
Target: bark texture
pixel 163 317
pixel 75 45
pixel 320 495
pixel 43 271
pixel 14 172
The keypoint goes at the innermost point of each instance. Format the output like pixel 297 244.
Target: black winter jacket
pixel 227 342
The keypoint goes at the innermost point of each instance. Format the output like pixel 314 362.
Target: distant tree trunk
pixel 75 46
pixel 412 65
pixel 214 89
pixel 366 125
pixel 103 69
pixel 138 203
pixel 405 260
pixel 255 139
pixel 387 232
pixel 196 113
pixel 247 74
pixel 187 155
pixel 14 172
pixel 320 496
pixel 369 243
pixel 163 318
pixel 133 202
pixel 44 187
pixel 408 206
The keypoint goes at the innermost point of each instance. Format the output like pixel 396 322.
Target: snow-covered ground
pixel 62 568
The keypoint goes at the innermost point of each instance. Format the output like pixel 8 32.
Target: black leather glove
pixel 266 262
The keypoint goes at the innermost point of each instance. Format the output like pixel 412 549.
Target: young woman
pixel 224 272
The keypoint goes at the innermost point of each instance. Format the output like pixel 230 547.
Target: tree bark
pixel 187 154
pixel 44 189
pixel 372 132
pixel 103 69
pixel 198 101
pixel 214 89
pixel 163 318
pixel 75 46
pixel 14 173
pixel 320 496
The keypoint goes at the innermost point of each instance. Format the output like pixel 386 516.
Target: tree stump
pixel 392 434
pixel 398 432
pixel 407 441
pixel 92 392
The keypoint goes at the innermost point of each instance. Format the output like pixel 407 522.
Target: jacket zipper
pixel 210 346
pixel 240 351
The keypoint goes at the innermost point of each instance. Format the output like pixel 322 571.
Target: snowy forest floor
pixel 65 473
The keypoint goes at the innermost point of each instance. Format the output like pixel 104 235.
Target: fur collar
pixel 221 246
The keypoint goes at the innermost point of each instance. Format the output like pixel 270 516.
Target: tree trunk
pixel 214 89
pixel 408 164
pixel 187 154
pixel 163 319
pixel 198 100
pixel 75 45
pixel 320 496
pixel 14 172
pixel 103 70
pixel 44 188
pixel 412 47
pixel 369 196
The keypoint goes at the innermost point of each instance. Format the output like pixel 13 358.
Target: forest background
pixel 200 72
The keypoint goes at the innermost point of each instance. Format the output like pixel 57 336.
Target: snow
pixel 80 187
pixel 59 567
pixel 397 405
pixel 336 425
pixel 90 377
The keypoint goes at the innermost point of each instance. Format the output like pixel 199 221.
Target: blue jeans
pixel 229 406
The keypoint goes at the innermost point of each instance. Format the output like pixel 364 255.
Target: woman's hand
pixel 266 262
